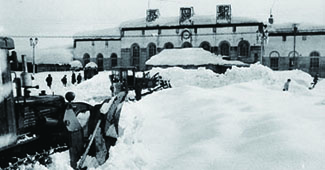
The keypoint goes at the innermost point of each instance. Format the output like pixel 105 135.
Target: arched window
pixel 224 48
pixel 274 60
pixel 243 49
pixel 314 54
pixel 113 60
pixel 293 54
pixel 100 62
pixel 86 58
pixel 314 61
pixel 135 55
pixel 292 59
pixel 152 50
pixel 205 45
pixel 187 45
pixel 169 45
pixel 274 54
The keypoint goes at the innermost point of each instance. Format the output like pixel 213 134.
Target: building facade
pixel 296 47
pixel 247 40
pixel 134 42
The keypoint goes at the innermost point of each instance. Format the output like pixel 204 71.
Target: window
pixel 100 62
pixel 187 45
pixel 86 58
pixel 168 45
pixel 291 62
pixel 314 63
pixel 284 38
pixel 304 37
pixel 274 63
pixel 93 43
pixel 243 49
pixel 274 54
pixel 293 54
pixel 234 29
pixel 205 45
pixel 113 60
pixel 135 55
pixel 152 50
pixel 314 54
pixel 224 48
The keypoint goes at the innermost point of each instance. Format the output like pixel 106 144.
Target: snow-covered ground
pixel 240 120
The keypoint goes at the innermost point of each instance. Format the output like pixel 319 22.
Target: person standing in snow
pixel 49 80
pixel 64 80
pixel 73 78
pixel 286 85
pixel 315 80
pixel 79 78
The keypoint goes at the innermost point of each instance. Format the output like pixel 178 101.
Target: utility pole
pixel 294 46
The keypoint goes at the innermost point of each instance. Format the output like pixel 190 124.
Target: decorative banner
pixel 152 15
pixel 186 14
pixel 223 13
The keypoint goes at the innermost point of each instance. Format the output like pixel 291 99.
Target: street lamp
pixel 33 42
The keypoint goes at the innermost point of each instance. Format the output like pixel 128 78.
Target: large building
pixel 236 38
pixel 296 46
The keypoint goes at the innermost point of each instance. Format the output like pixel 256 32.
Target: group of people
pixel 64 79
pixel 315 80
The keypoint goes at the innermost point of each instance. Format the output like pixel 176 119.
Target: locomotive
pixel 27 123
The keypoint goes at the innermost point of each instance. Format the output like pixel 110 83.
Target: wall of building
pixel 95 47
pixel 198 35
pixel 305 45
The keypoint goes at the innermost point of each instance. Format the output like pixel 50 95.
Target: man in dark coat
pixel 49 80
pixel 73 78
pixel 79 78
pixel 64 80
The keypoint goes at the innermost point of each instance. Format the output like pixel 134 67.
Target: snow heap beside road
pixel 188 56
pixel 244 122
pixel 238 120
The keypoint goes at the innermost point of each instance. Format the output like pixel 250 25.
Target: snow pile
pixel 92 91
pixel 238 120
pixel 189 56
pixel 91 65
pixel 7 139
pixel 240 126
pixel 205 78
pixel 75 64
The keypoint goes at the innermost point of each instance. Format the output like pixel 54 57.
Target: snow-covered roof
pixel 174 21
pixel 104 33
pixel 189 56
pixel 302 27
pixel 91 65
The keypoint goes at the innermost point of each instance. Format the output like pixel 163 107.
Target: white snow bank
pixel 7 139
pixel 207 79
pixel 189 56
pixel 242 126
pixel 92 91
pixel 75 64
